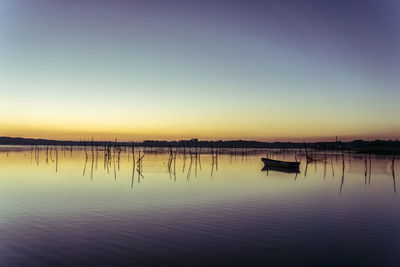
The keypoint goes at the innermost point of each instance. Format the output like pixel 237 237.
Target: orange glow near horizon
pixel 282 132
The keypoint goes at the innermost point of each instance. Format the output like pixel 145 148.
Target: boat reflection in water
pixel 281 169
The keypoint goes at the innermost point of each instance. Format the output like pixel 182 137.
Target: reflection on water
pixel 87 206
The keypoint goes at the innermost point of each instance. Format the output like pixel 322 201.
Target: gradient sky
pixel 263 70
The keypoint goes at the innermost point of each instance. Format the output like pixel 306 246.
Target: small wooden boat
pixel 280 164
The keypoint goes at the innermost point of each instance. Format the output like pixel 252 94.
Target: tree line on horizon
pixel 361 146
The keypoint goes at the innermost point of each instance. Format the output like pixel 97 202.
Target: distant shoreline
pixel 360 146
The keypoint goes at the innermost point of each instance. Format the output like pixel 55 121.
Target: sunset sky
pixel 262 70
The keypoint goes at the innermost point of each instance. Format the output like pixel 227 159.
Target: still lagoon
pixel 71 207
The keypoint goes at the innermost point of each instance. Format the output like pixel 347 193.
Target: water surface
pixel 70 207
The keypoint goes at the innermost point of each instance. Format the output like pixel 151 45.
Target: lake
pixel 71 207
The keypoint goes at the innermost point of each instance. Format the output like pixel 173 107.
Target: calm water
pixel 66 208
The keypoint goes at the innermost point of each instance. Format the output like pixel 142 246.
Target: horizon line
pixel 195 139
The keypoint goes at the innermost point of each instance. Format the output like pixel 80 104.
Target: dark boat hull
pixel 281 164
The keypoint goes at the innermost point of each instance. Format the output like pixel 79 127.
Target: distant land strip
pixel 359 146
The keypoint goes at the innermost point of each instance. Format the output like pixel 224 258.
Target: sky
pixel 277 70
